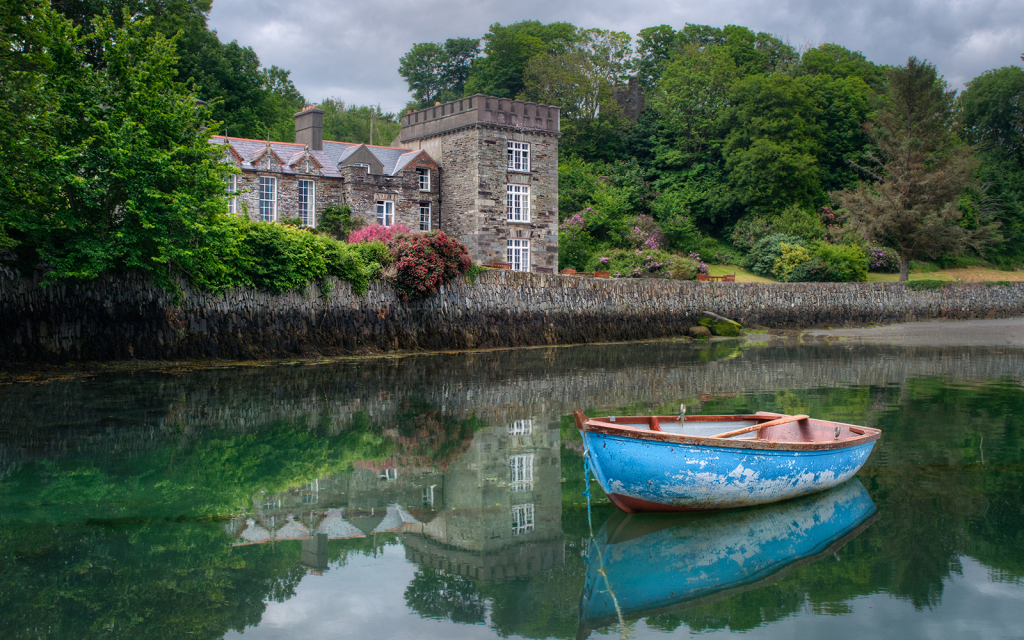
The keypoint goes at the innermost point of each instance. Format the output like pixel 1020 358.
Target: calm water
pixel 440 497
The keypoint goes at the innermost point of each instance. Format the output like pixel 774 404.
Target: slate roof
pixel 393 159
pixel 396 518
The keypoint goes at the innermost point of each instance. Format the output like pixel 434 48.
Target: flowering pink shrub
pixel 645 234
pixel 833 225
pixel 883 259
pixel 701 267
pixel 377 233
pixel 574 224
pixel 425 261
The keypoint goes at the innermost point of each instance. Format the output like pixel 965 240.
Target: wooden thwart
pixel 756 427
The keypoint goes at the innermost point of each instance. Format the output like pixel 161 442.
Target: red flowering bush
pixel 377 233
pixel 425 261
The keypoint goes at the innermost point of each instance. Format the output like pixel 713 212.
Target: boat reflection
pixel 649 564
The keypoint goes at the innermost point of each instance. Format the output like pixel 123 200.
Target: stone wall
pixel 125 318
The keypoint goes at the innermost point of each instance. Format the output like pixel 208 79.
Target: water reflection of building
pixel 502 512
pixel 493 513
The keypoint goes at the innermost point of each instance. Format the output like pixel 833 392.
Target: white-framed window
pixel 517 202
pixel 522 518
pixel 424 175
pixel 268 199
pixel 385 213
pixel 307 202
pixel 362 164
pixel 310 492
pixel 389 474
pixel 518 156
pixel 520 428
pixel 521 472
pixel 519 254
pixel 231 187
pixel 424 216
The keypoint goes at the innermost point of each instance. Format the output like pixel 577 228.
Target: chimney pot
pixel 309 127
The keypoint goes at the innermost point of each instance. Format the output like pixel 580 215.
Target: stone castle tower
pixel 498 163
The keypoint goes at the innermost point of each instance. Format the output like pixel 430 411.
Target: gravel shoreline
pixel 1001 332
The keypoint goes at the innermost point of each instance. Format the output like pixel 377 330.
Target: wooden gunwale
pixel 622 428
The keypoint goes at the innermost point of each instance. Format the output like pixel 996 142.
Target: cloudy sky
pixel 350 50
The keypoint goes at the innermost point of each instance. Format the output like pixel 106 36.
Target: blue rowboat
pixel 651 564
pixel 663 463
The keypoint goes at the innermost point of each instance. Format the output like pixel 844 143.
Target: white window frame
pixel 424 178
pixel 306 193
pixel 362 164
pixel 517 202
pixel 386 213
pixel 520 469
pixel 268 205
pixel 518 156
pixel 518 254
pixel 521 427
pixel 425 216
pixel 232 188
pixel 522 518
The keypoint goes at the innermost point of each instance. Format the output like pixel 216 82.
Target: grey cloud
pixel 350 50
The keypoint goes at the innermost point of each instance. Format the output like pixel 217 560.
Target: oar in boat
pixel 761 425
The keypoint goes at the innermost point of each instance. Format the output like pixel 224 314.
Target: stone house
pixel 483 170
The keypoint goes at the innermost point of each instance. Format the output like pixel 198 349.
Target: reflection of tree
pixel 443 596
pixel 133 581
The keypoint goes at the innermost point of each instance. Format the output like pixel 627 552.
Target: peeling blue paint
pixel 709 477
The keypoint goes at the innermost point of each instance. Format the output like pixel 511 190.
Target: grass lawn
pixel 742 275
pixel 967 274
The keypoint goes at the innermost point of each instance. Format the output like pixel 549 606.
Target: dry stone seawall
pixel 117 318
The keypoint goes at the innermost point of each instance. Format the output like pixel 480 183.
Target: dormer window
pixel 362 164
pixel 518 156
pixel 424 175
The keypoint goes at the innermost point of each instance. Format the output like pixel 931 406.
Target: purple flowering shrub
pixel 882 259
pixel 701 267
pixel 644 234
pixel 632 263
pixel 641 263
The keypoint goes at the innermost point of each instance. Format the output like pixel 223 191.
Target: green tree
pixel 919 173
pixel 438 72
pixel 772 144
pixel 844 105
pixel 129 180
pixel 27 29
pixel 249 101
pixel 580 80
pixel 839 62
pixel 507 51
pixel 655 46
pixel 993 106
pixel 351 123
pixel 690 99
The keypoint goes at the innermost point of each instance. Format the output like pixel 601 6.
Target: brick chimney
pixel 309 127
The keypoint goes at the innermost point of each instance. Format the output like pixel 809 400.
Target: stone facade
pixel 360 176
pixel 470 140
pixel 463 146
pixel 123 318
